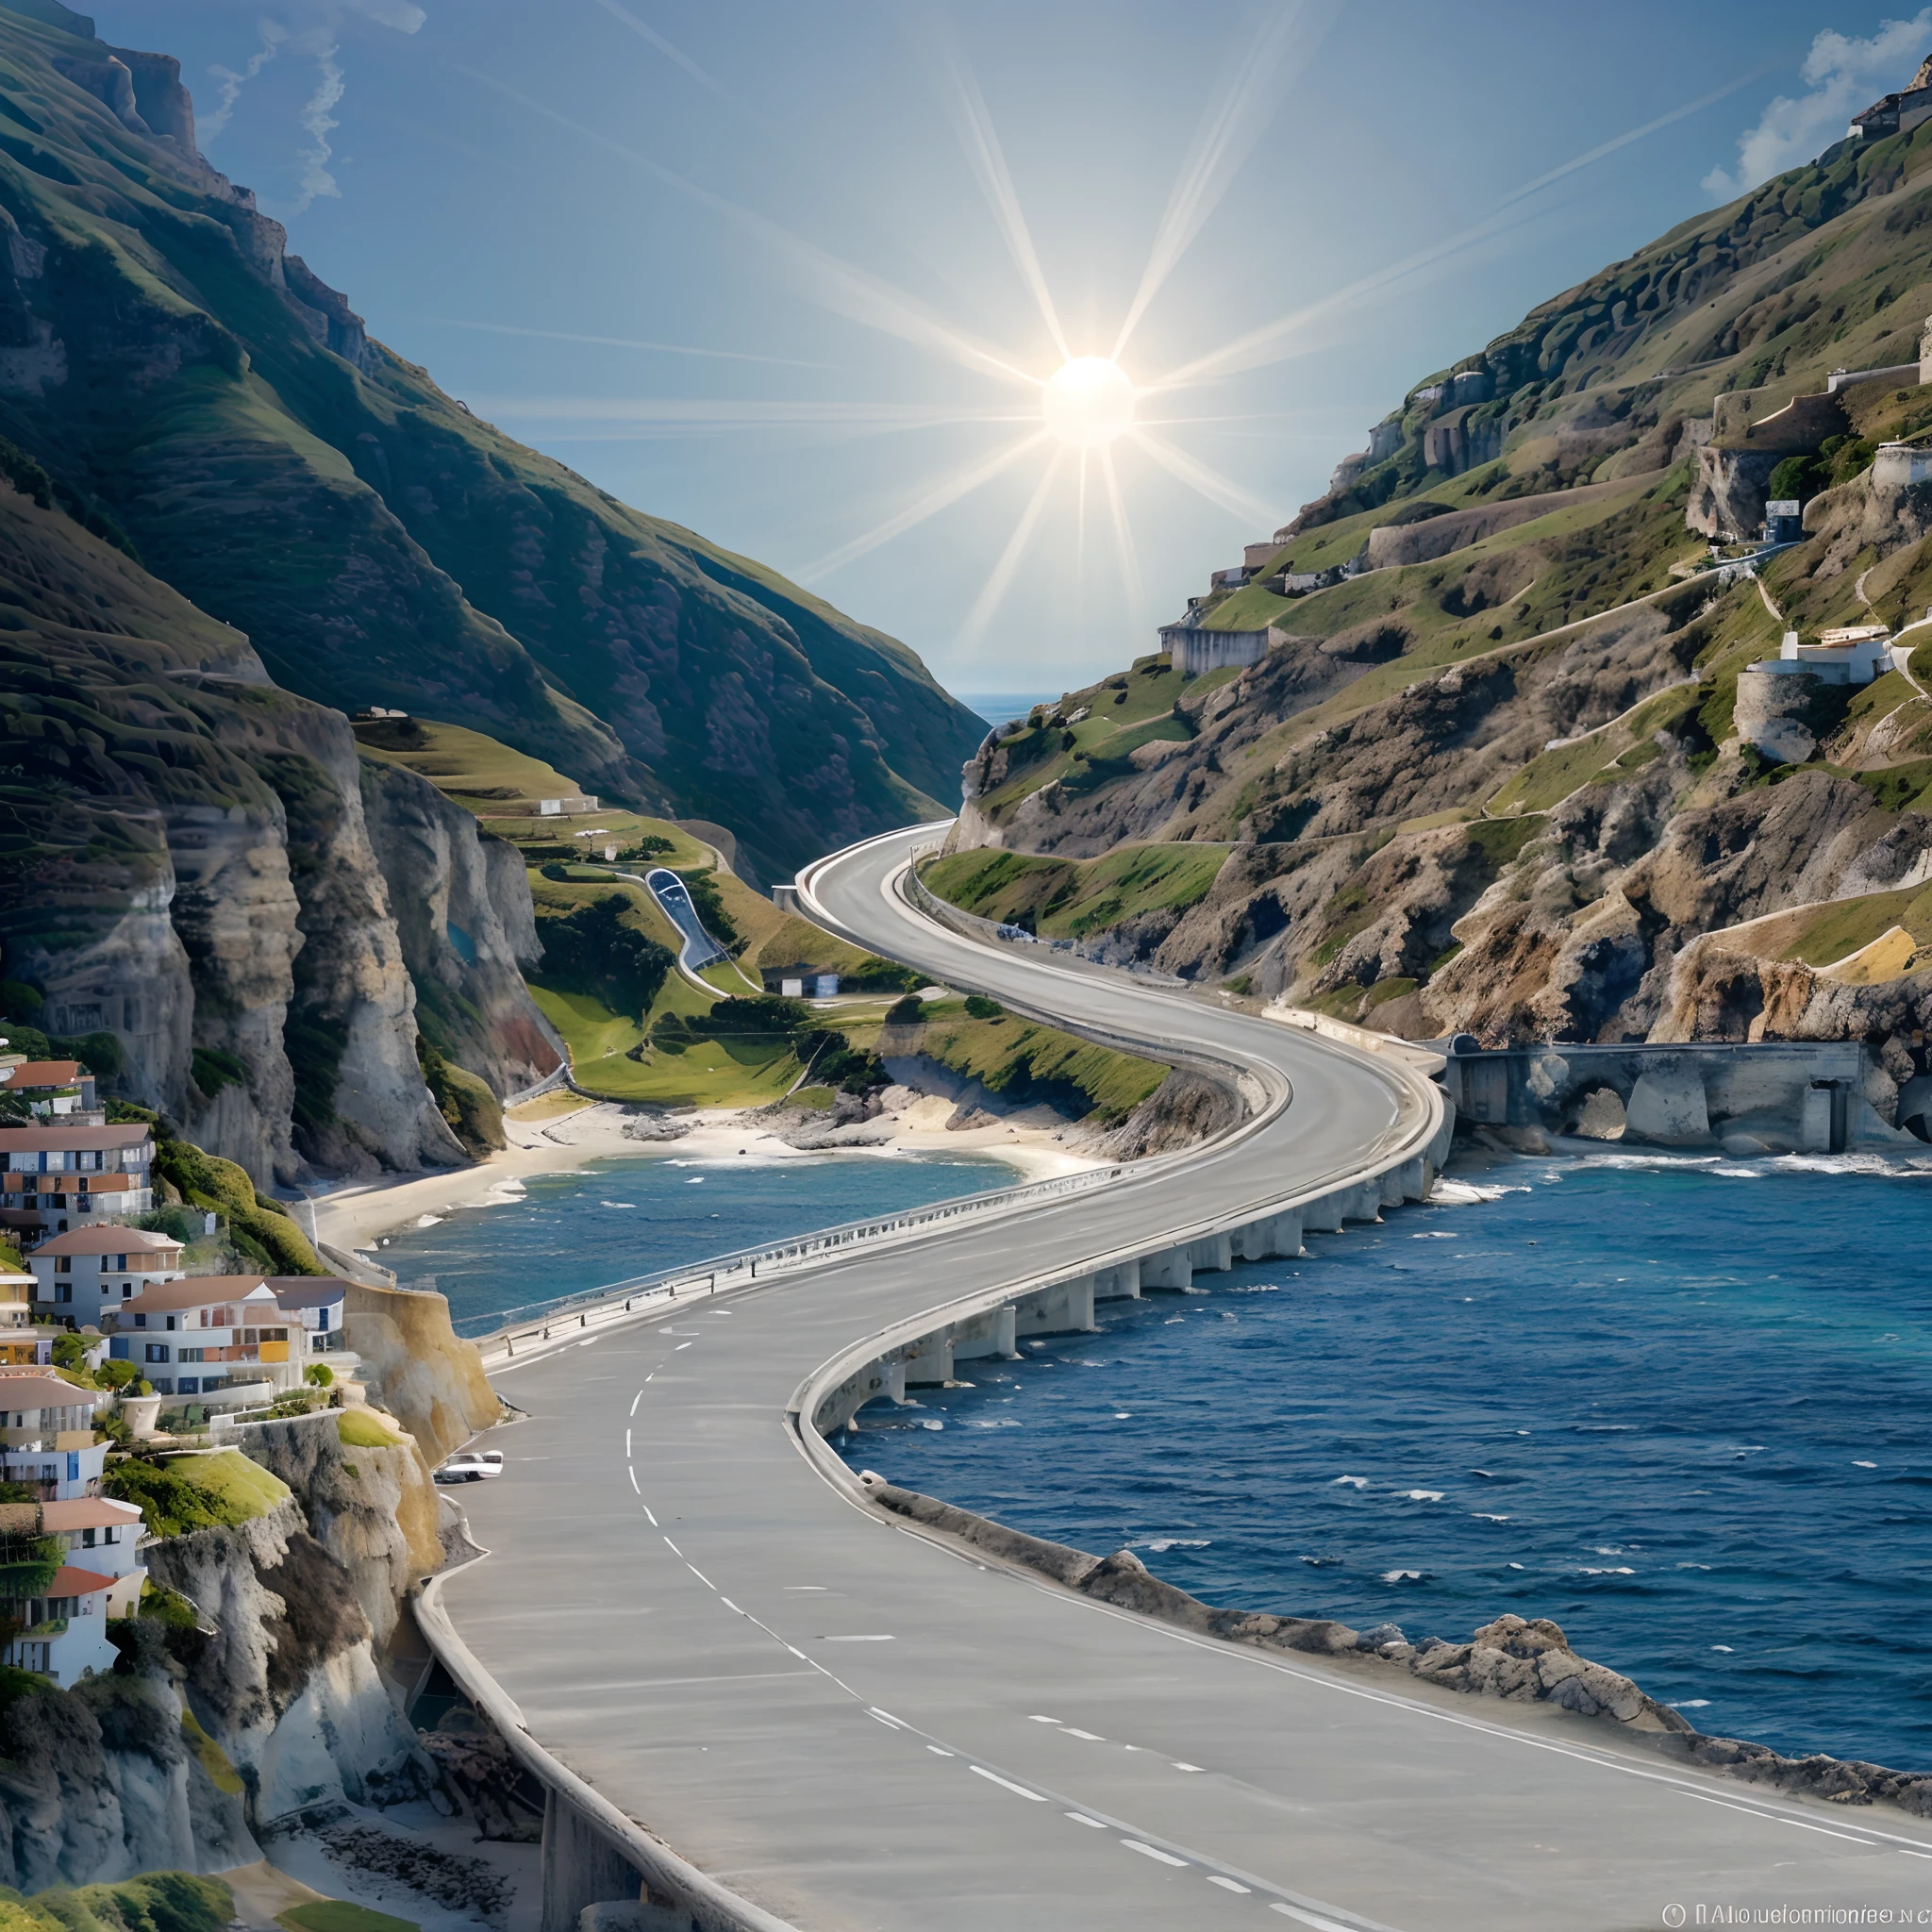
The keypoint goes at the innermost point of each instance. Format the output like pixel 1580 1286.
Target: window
pixel 127 1291
pixel 171 1321
pixel 157 1351
pixel 63 1290
pixel 63 1264
pixel 188 1386
pixel 88 1161
pixel 87 1538
pixel 188 1355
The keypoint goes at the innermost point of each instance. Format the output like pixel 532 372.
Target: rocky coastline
pixel 1518 1661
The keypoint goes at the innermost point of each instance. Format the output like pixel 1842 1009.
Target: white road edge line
pixel 980 1771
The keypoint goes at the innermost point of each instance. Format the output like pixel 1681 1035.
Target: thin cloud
pixel 318 122
pixel 1843 75
pixel 229 83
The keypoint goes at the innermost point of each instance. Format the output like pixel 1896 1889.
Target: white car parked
pixel 471 1466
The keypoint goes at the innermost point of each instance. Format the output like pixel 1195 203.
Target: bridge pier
pixel 1362 1202
pixel 1274 1237
pixel 1118 1283
pixel 991 1334
pixel 1211 1254
pixel 1172 1268
pixel 1325 1216
pixel 581 1867
pixel 928 1360
pixel 1065 1307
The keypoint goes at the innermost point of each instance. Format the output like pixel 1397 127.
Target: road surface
pixel 855 1727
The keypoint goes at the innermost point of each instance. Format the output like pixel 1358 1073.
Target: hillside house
pixel 104 1535
pixel 316 1307
pixel 219 1338
pixel 78 1276
pixel 52 1088
pixel 47 1437
pixel 63 1636
pixel 54 1178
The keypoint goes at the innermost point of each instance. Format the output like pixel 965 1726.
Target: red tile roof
pixel 67 1581
pixel 190 1291
pixel 41 1073
pixel 87 1512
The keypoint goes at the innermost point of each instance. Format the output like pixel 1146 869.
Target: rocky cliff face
pixel 378 541
pixel 199 864
pixel 276 1711
pixel 432 1383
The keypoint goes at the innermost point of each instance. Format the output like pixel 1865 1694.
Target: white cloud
pixel 231 83
pixel 317 123
pixel 404 15
pixel 1843 75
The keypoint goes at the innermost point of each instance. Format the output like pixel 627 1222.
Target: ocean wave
pixel 1483 1516
pixel 617 1204
pixel 1855 1163
pixel 429 1220
pixel 1353 1482
pixel 1420 1495
pixel 1174 1542
pixel 1406 1576
pixel 1585 1571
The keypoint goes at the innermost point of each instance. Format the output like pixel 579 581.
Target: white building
pixel 47 1436
pixel 316 1307
pixel 63 1635
pixel 54 1177
pixel 83 1273
pixel 103 1535
pixel 1854 654
pixel 221 1337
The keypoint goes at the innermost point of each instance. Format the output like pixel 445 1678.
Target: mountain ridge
pixel 169 364
pixel 1497 772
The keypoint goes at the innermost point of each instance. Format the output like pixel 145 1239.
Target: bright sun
pixel 1087 402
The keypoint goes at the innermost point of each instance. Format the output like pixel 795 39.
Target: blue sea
pixel 1002 708
pixel 561 1234
pixel 1683 1408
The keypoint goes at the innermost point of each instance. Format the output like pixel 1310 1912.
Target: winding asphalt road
pixel 856 1728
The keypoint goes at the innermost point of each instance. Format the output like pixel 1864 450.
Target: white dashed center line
pixel 980 1771
pixel 1146 1851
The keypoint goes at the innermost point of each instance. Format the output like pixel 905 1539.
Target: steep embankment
pixel 191 383
pixel 1490 771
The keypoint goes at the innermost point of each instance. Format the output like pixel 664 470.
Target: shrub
pixel 905 1012
pixel 592 951
pixel 979 1008
pixel 319 1376
pixel 555 869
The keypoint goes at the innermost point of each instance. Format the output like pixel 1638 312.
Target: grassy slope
pixel 1063 898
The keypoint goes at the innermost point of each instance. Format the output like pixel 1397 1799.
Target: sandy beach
pixel 563 1130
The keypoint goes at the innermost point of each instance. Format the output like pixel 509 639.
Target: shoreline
pixel 546 1138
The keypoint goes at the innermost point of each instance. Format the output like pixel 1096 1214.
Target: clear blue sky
pixel 794 189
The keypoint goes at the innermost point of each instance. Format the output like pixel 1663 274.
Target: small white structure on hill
pixel 1855 655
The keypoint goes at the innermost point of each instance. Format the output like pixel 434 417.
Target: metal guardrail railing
pixel 727 1269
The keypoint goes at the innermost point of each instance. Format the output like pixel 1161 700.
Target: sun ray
pixel 1202 480
pixel 1228 131
pixel 982 144
pixel 1001 578
pixel 1257 347
pixel 960 483
pixel 656 39
pixel 706 412
pixel 558 335
pixel 1123 530
pixel 836 285
pixel 1080 524
pixel 1286 337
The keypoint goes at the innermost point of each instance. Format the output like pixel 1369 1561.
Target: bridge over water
pixel 756 1700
